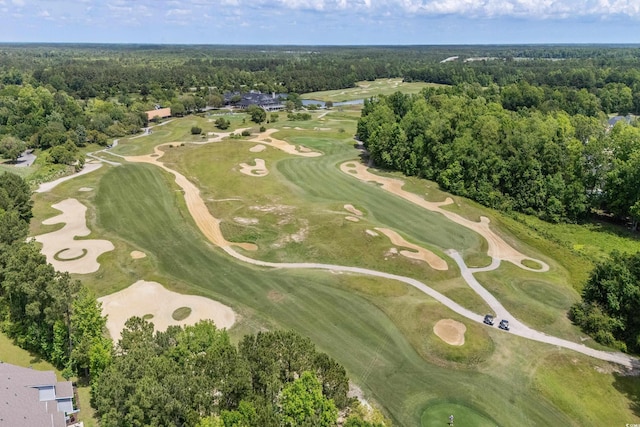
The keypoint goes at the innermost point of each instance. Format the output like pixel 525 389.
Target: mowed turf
pixel 367 89
pixel 381 331
pixel 139 203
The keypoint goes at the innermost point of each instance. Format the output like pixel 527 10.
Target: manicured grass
pixel 348 326
pixel 181 313
pixel 11 353
pixel 592 406
pixel 381 331
pixel 367 89
pixel 438 413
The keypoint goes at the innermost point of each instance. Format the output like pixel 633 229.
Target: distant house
pixel 30 398
pixel 265 101
pixel 616 119
pixel 163 113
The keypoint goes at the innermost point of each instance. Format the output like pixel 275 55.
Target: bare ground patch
pixel 450 331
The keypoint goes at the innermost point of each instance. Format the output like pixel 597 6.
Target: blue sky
pixel 321 21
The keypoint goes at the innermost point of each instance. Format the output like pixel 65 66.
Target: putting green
pixel 438 415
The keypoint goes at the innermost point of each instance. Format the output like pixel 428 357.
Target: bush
pixel 262 128
pixel 222 123
pixel 195 130
pixel 246 132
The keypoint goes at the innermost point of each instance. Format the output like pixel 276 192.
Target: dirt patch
pixel 353 210
pixel 421 254
pixel 151 298
pixel 259 169
pixel 245 221
pixel 257 148
pixel 80 256
pixel 137 254
pixel 276 296
pixel 497 247
pixel 450 331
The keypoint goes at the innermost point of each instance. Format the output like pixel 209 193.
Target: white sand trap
pixel 85 189
pixel 421 254
pixel 352 218
pixel 371 233
pixel 497 247
pixel 60 247
pixel 144 297
pixel 450 331
pixel 137 254
pixel 259 169
pixel 266 138
pixel 257 148
pixel 353 210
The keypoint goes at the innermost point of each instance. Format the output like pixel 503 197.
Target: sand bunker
pixel 60 247
pixel 257 148
pixel 207 223
pixel 352 218
pixel 450 331
pixel 144 298
pixel 371 233
pixel 267 139
pixel 85 189
pixel 497 247
pixel 137 254
pixel 259 169
pixel 350 208
pixel 421 254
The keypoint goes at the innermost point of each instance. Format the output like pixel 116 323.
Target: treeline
pixel 43 310
pixel 541 161
pixel 610 300
pixel 104 71
pixel 194 376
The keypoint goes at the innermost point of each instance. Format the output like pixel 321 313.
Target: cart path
pixel 210 227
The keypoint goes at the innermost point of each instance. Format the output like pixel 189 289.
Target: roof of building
pixel 20 403
pixel 159 112
pixel 616 119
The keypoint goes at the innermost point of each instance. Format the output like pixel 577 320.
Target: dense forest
pixel 506 151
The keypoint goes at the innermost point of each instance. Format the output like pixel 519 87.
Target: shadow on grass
pixel 629 385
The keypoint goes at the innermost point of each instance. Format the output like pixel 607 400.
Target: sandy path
pixel 498 248
pixel 143 298
pixel 421 253
pixel 61 248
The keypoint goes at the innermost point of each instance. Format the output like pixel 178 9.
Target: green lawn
pixel 367 89
pixel 381 331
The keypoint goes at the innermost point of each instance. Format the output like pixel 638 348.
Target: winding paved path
pixel 209 226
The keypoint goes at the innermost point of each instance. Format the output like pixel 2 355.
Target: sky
pixel 321 22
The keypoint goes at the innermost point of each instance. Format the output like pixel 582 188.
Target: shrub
pixel 195 130
pixel 262 128
pixel 246 132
